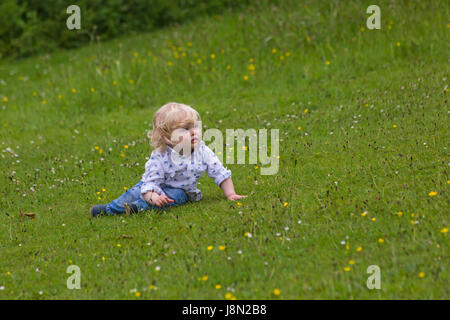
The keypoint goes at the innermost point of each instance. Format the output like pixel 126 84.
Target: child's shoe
pixel 97 210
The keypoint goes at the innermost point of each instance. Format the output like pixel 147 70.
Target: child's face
pixel 187 137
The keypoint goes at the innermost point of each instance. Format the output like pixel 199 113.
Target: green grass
pixel 340 155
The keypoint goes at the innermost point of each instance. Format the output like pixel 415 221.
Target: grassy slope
pixel 327 179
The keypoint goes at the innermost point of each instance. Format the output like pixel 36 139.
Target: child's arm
pixel 221 176
pixel 228 189
pixel 152 178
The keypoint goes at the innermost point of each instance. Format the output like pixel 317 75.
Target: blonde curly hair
pixel 169 117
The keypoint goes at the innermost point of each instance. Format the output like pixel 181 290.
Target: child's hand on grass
pixel 233 197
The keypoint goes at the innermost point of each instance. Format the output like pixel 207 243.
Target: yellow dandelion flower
pixel 421 274
pixel 359 249
pixel 380 240
pixel 285 204
pixel 221 248
pixel 398 44
pixel 276 292
pixel 205 277
pixel 308 39
pixel 444 230
pixel 8 273
pixel 151 287
pixel 137 294
pixel 251 67
pixel 125 188
pixel 199 61
pixel 327 63
pixel 122 154
pixel 170 63
pixel 44 102
pixel 246 78
pixel 74 90
pixel 125 146
pixel 114 83
pixel 213 56
pixel 373 219
pixel 103 189
pixel 432 193
pixel 299 128
pixel 218 286
pixel 5 99
pixel 98 192
pixel 274 50
pixel 394 126
pixel 99 198
pixel 362 29
pixel 364 213
pixel 103 259
pixel 34 93
pixel 131 81
pixel 210 248
pixel 228 295
pixel 399 213
pixel 306 110
pixel 351 262
pixel 239 204
pixel 347 269
pixel 118 245
pixel 59 96
pixel 228 67
pixel 189 44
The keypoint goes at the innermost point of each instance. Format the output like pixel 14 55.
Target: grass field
pixel 363 179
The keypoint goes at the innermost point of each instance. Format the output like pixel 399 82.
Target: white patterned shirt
pixel 173 170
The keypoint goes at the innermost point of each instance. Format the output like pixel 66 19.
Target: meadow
pixel 363 178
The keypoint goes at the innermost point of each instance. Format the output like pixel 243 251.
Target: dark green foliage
pixel 33 26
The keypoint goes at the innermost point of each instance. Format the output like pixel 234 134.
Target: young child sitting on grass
pixel 180 158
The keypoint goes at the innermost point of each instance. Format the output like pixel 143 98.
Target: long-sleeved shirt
pixel 171 169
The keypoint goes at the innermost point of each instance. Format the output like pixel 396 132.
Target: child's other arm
pixel 221 176
pixel 228 189
pixel 153 178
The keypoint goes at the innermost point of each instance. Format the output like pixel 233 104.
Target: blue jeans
pixel 134 197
